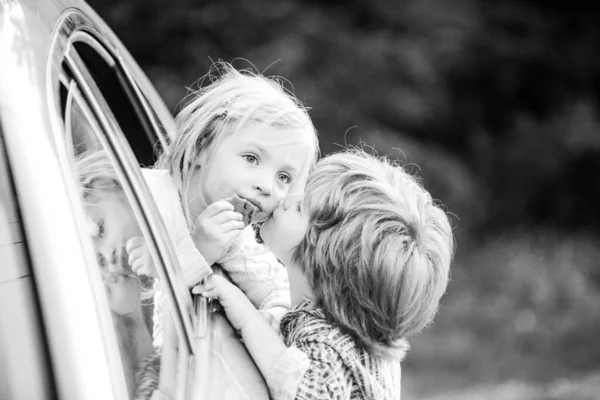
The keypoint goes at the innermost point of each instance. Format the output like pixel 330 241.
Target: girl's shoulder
pixel 157 175
pixel 160 182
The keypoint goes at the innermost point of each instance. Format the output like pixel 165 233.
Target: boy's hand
pixel 238 308
pixel 140 259
pixel 215 228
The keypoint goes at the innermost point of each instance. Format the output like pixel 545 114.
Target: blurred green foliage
pixel 493 103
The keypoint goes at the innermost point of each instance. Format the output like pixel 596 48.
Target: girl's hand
pixel 238 308
pixel 140 259
pixel 215 228
pixel 123 293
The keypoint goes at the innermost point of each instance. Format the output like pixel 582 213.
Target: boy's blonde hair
pixel 377 250
pixel 232 99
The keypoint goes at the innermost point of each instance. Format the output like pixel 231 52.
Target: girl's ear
pixel 201 159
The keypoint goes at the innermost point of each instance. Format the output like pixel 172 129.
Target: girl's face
pixel 257 163
pixel 282 233
pixel 112 225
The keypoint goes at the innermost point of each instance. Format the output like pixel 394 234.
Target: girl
pixel 368 255
pixel 243 135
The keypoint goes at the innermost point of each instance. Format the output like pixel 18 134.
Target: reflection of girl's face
pixel 113 224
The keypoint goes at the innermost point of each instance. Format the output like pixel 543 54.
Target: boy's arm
pixel 263 343
pixel 290 372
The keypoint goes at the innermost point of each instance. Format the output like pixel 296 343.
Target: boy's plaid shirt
pixel 321 362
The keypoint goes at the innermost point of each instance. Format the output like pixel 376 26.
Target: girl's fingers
pixel 226 216
pixel 231 226
pixel 217 207
pixel 210 293
pixel 136 265
pixel 134 243
pixel 134 256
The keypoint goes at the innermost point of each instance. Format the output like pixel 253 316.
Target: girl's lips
pixel 254 202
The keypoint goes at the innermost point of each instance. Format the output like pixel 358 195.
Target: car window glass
pixel 111 224
pixel 113 229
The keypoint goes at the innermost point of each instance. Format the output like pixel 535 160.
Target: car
pixel 68 85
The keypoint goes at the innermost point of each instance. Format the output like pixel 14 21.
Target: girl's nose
pixel 113 259
pixel 264 188
pixel 264 184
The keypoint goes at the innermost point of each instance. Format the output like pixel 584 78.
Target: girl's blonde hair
pixel 96 174
pixel 377 251
pixel 231 100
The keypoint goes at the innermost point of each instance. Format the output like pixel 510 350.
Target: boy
pixel 368 256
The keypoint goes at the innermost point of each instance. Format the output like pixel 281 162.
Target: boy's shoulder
pixel 307 323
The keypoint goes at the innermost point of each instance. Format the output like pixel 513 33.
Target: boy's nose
pixel 291 199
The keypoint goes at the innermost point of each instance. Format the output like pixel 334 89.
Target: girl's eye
pixel 251 158
pixel 101 228
pixel 285 178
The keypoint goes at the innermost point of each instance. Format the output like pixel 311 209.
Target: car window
pixel 112 224
pixel 118 211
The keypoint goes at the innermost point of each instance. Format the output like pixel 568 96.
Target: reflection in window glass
pixel 120 248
